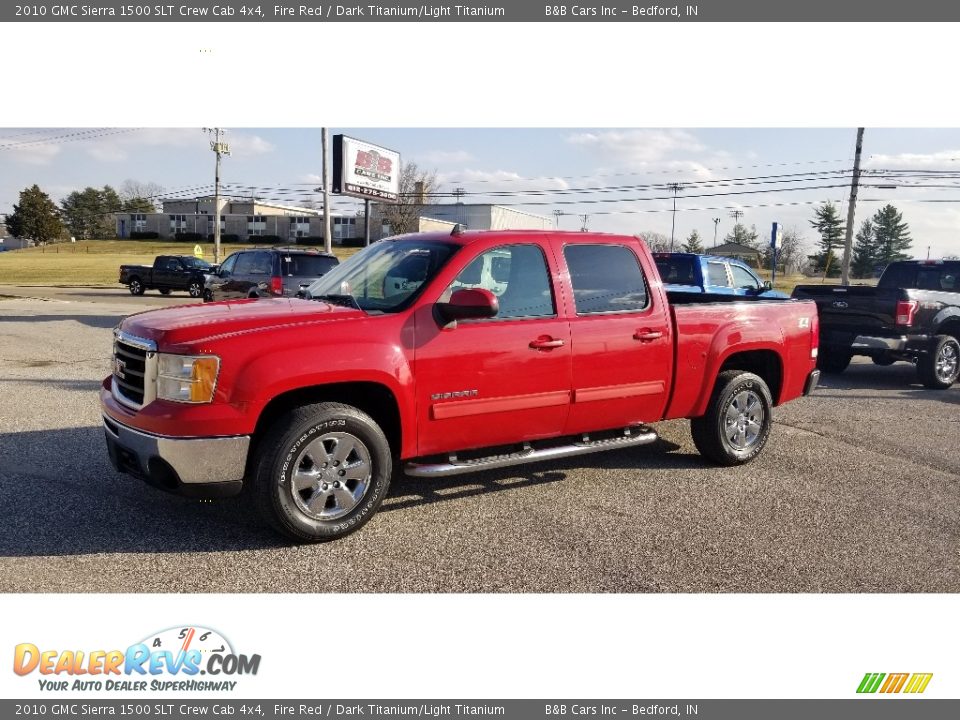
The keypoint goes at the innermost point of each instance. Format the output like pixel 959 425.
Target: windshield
pixel 385 277
pixel 192 262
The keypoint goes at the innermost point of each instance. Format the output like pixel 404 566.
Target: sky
pixel 619 178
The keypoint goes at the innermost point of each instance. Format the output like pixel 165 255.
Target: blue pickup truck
pixel 709 274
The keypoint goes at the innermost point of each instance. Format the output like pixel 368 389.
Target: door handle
pixel 647 335
pixel 545 343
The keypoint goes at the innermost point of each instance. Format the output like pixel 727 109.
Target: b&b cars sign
pixel 364 170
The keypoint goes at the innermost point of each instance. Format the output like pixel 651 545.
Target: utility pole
pixel 584 218
pixel 736 215
pixel 557 214
pixel 716 224
pixel 327 225
pixel 676 188
pixel 219 148
pixel 851 208
pixel 366 221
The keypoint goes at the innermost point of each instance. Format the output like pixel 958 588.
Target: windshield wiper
pixel 342 300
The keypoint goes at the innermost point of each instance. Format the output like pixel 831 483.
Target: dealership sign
pixel 364 170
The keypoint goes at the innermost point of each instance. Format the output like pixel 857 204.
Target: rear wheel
pixel 136 287
pixel 834 362
pixel 321 472
pixel 164 291
pixel 940 367
pixel 738 419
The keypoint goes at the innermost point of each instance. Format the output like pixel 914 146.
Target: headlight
pixel 187 378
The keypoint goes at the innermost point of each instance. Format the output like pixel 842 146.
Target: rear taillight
pixel 815 335
pixel 276 285
pixel 906 309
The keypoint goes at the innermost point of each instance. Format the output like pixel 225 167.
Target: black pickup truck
pixel 913 314
pixel 169 272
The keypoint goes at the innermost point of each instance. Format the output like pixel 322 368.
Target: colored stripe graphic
pixel 894 683
pixel 918 683
pixel 870 682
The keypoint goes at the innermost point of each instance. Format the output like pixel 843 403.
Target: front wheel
pixel 195 289
pixel 164 291
pixel 738 419
pixel 321 472
pixel 940 367
pixel 883 360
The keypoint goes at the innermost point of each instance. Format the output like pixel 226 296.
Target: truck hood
pixel 196 323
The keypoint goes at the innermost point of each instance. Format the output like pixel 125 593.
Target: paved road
pixel 856 491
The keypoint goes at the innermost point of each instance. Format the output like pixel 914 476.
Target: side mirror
pixel 469 304
pixel 767 285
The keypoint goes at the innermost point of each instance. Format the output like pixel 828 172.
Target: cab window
pixel 743 278
pixel 717 274
pixel 605 279
pixel 517 275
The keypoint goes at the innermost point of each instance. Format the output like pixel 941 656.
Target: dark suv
pixel 267 272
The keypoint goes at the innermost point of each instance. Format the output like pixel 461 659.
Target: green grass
pixel 97 262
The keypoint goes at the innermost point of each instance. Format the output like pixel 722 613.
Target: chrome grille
pixel 134 370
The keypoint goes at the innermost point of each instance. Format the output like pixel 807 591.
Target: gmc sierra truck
pixel 168 273
pixel 913 314
pixel 442 354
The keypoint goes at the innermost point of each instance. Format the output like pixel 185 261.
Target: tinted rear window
pixel 677 270
pixel 306 265
pixel 920 277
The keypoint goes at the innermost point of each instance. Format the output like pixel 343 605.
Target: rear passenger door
pixel 621 336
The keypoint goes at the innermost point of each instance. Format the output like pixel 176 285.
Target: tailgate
pixel 854 309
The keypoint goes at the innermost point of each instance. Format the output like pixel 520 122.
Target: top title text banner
pixel 514 11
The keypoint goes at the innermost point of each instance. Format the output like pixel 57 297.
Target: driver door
pixel 499 380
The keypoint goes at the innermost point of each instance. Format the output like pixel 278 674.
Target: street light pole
pixel 716 224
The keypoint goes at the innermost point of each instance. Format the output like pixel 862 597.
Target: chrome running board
pixel 631 437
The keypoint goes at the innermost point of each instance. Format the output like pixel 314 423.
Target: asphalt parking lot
pixel 857 491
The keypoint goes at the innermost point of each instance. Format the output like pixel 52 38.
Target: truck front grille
pixel 134 370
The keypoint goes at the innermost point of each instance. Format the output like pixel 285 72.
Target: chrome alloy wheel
pixel 945 365
pixel 743 420
pixel 331 475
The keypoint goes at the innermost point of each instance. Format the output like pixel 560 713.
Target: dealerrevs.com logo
pixel 181 659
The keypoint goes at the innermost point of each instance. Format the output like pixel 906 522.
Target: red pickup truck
pixel 443 354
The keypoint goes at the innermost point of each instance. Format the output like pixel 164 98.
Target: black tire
pixel 195 289
pixel 295 442
pixel 136 286
pixel 740 400
pixel 883 360
pixel 164 291
pixel 207 296
pixel 833 363
pixel 939 368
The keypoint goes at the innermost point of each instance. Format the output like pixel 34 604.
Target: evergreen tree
pixel 864 260
pixel 89 213
pixel 693 244
pixel 828 224
pixel 892 236
pixel 35 217
pixel 742 236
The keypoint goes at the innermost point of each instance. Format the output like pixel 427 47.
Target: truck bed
pixel 708 328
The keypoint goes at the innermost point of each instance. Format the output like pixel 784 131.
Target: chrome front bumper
pixel 205 467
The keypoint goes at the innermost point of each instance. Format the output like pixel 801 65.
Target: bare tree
pixel 417 187
pixel 657 242
pixel 140 196
pixel 792 253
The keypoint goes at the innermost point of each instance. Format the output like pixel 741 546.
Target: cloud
pixel 945 159
pixel 32 154
pixel 117 146
pixel 445 157
pixel 480 181
pixel 627 148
